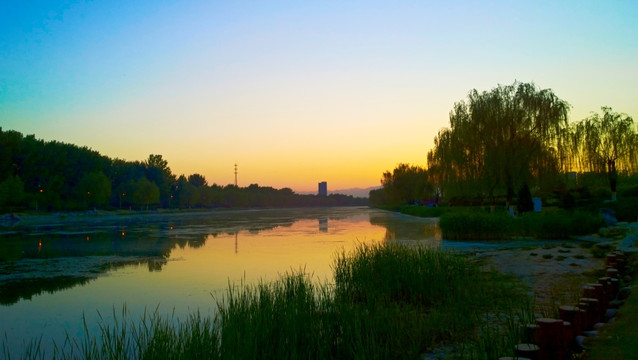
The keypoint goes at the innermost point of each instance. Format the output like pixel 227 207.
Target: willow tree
pixel 607 143
pixel 500 138
pixel 406 184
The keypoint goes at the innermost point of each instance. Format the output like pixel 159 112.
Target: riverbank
pixel 541 259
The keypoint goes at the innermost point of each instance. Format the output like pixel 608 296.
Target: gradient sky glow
pixel 295 92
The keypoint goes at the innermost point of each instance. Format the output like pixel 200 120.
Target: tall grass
pixel 387 301
pixel 289 318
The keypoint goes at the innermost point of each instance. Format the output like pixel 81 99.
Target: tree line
pixel 55 176
pixel 514 138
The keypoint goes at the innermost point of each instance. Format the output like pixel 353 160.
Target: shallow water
pixel 52 276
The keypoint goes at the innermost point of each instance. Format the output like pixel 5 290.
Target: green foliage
pixel 197 180
pixel 57 176
pixel 607 143
pixel 421 211
pixel 11 192
pixel 406 184
pixel 466 225
pixel 95 187
pixel 498 140
pixel 288 318
pixel 143 193
pixel 625 208
pixel 158 172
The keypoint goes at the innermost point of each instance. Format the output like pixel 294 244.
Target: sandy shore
pixel 555 271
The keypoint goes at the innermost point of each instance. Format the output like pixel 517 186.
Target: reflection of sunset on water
pixel 251 257
pixel 182 263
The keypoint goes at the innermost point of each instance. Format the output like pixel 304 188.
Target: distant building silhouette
pixel 323 188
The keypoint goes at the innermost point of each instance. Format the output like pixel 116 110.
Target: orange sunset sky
pixel 295 92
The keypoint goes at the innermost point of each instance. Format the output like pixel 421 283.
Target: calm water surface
pixel 51 276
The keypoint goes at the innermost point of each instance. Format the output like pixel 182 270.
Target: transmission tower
pixel 235 174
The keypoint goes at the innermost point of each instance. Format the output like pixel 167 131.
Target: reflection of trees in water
pixel 13 291
pixel 47 278
pixel 410 229
pixel 30 252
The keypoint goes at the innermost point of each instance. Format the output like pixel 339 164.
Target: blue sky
pixel 295 92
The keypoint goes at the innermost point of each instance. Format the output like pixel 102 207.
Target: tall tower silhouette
pixel 235 174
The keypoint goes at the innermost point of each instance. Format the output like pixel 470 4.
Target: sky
pixel 295 92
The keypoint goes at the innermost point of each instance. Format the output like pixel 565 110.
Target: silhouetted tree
pixel 197 180
pixel 144 193
pixel 406 184
pixel 158 172
pixel 499 138
pixel 185 193
pixel 607 143
pixel 11 193
pixel 95 187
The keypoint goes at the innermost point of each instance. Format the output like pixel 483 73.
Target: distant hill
pixel 356 192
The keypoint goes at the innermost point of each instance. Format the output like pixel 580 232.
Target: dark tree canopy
pixel 499 139
pixel 54 176
pixel 197 180
pixel 607 143
pixel 405 184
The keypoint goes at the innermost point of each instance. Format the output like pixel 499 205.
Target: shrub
pixel 475 226
pixel 625 208
pixel 421 211
pixel 485 226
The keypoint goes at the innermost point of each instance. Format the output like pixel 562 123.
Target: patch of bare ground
pixel 555 272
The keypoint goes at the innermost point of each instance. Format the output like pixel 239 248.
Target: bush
pixel 625 208
pixel 631 192
pixel 475 226
pixel 498 226
pixel 421 211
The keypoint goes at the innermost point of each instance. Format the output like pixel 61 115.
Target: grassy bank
pixel 557 224
pixel 387 301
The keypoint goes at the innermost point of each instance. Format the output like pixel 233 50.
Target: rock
pixel 609 314
pixel 623 294
pixel 526 350
pixel 591 333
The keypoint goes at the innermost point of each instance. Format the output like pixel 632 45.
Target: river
pixel 53 275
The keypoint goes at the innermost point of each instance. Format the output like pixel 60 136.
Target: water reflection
pixel 408 229
pixel 176 260
pixel 323 224
pixel 56 257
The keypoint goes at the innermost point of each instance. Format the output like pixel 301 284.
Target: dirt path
pixel 555 273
